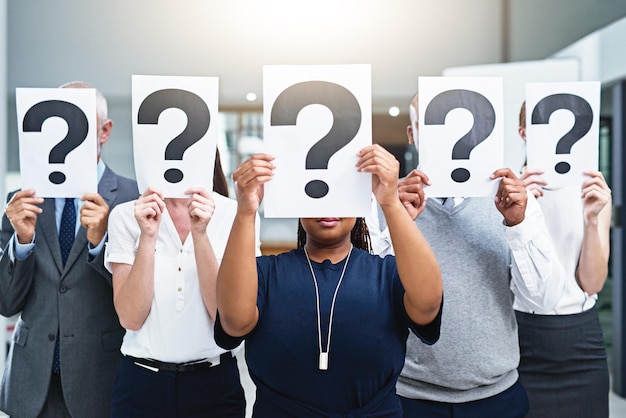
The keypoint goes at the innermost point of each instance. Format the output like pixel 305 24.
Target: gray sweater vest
pixel 477 354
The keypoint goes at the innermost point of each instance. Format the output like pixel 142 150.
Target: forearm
pixel 594 254
pixel 207 267
pixel 134 288
pixel 237 281
pixel 417 266
pixel 538 278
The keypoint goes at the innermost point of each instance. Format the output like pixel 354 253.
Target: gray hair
pixel 102 109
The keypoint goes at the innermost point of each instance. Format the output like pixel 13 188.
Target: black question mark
pixel 583 115
pixel 77 129
pixel 346 122
pixel 198 121
pixel 484 121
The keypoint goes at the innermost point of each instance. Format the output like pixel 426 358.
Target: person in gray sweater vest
pixel 488 252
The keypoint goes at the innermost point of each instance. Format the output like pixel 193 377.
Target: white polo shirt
pixel 178 328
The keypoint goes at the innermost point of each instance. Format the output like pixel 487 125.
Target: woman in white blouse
pixel 164 254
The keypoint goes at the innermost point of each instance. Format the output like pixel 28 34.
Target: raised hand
pixel 511 197
pixel 249 179
pixel 534 182
pixel 94 216
pixel 201 207
pixel 22 211
pixel 148 211
pixel 595 194
pixel 384 168
pixel 411 192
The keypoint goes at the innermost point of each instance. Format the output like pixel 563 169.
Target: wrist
pixel 198 232
pixel 591 220
pixel 24 239
pixel 513 222
pixel 390 201
pixel 148 236
pixel 243 211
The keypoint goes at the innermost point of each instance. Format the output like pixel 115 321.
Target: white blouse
pixel 178 328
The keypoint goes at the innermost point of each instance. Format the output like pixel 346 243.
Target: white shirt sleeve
pixel 538 279
pixel 379 233
pixel 123 232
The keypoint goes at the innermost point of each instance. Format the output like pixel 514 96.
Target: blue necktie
pixel 67 231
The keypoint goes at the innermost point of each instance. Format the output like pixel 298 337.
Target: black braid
pixel 301 235
pixel 359 236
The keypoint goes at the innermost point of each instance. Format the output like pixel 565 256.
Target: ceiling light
pixel 251 97
pixel 394 111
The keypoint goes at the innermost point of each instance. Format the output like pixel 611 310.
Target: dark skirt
pixel 563 365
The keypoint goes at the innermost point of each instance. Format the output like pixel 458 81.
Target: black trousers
pixel 216 392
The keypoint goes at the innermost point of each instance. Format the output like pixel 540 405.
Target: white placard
pixel 174 132
pixel 57 131
pixel 563 130
pixel 461 138
pixel 316 119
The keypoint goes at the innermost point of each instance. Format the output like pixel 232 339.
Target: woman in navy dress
pixel 326 324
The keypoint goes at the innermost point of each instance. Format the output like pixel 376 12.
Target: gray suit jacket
pixel 76 300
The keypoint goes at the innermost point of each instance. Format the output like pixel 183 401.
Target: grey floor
pixel 617 406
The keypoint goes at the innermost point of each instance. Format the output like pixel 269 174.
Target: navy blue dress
pixel 368 339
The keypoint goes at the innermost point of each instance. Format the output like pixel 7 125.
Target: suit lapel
pixel 108 186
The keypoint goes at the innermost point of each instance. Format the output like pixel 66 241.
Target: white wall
pixel 539 28
pixel 601 54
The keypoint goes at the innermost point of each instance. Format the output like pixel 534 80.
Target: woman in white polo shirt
pixel 164 254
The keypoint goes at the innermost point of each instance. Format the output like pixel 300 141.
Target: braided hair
pixel 359 236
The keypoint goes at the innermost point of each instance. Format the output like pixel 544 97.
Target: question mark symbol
pixel 484 121
pixel 77 129
pixel 198 121
pixel 346 122
pixel 583 115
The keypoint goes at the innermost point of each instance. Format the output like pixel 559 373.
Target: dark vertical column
pixel 617 248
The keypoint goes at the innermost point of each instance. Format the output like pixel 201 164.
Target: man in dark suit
pixel 65 347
